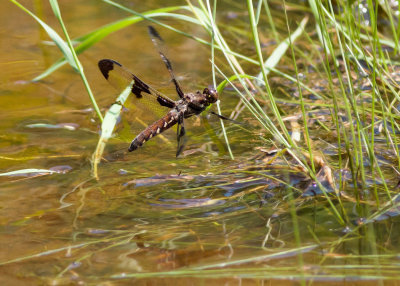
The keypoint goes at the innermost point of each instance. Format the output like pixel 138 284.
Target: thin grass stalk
pixel 206 18
pixel 387 9
pixel 348 22
pixel 353 161
pixel 398 24
pixel 271 21
pixel 392 139
pixel 237 69
pixel 258 10
pixel 335 116
pixel 247 103
pixel 126 239
pixel 377 96
pixel 212 16
pixel 323 37
pixel 359 51
pixel 370 151
pixel 255 114
pixel 280 51
pixel 296 232
pixel 373 159
pixel 345 29
pixel 111 239
pixel 382 69
pixel 335 105
pixel 362 136
pixel 303 110
pixel 57 12
pixel 361 118
pixel 218 37
pixel 370 219
pixel 363 141
pixel 386 105
pixel 371 242
pixel 292 79
pixel 144 16
pixel 254 259
pixel 261 63
pixel 358 167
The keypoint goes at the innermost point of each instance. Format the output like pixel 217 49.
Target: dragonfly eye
pixel 211 94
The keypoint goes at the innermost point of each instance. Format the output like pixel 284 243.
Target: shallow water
pixel 151 218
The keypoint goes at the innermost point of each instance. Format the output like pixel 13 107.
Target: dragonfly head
pixel 211 94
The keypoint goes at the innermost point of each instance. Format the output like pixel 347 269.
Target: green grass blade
pixel 56 10
pixel 53 35
pixel 88 40
pixel 280 51
pixel 107 128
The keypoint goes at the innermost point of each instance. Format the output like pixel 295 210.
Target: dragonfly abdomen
pixel 169 120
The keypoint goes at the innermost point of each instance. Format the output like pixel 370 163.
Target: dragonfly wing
pixel 159 44
pixel 121 79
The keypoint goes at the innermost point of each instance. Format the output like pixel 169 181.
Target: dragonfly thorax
pixel 198 102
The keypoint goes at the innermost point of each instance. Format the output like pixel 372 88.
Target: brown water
pixel 150 219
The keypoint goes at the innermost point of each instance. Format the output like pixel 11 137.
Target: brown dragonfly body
pixel 188 105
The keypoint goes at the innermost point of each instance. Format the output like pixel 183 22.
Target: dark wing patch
pixel 120 78
pixel 154 34
pixel 139 86
pixel 106 66
pixel 136 91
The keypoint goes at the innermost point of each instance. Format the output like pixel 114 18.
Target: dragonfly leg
pixel 180 132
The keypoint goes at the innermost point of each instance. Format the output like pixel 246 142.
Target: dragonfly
pixel 189 104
